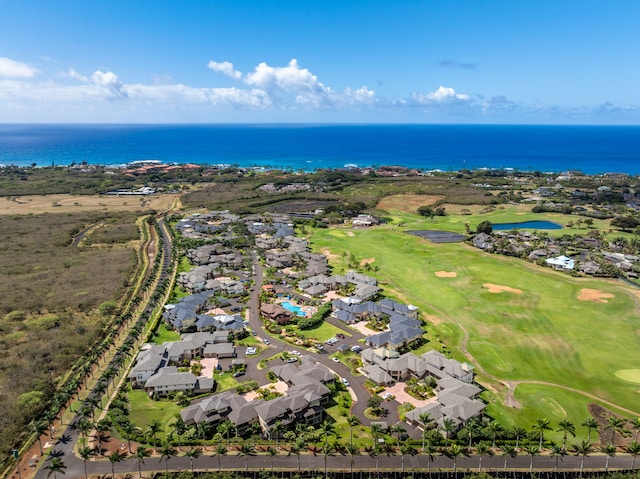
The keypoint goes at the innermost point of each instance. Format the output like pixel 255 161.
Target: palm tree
pixel 482 449
pixel 397 429
pixel 374 451
pixel 566 427
pixel 519 432
pixel 406 449
pixel 634 450
pixel 558 452
pixel 225 428
pixel 221 450
pixel 448 427
pixel 128 430
pixel 277 428
pixel 430 451
pixel 245 450
pixel 583 449
pixel 154 428
pixel 86 453
pixel 114 457
pixel 352 450
pixel 141 454
pixel 635 425
pixel 610 451
pixel 376 430
pixel 328 429
pixel 495 428
pixel 193 453
pixel 592 425
pixel 508 451
pixel 56 466
pixel 327 450
pixel 541 425
pixel 271 452
pixel 352 421
pixel 616 425
pixel 425 419
pixel 179 428
pixel 454 451
pixel 296 448
pixel 101 426
pixel 532 450
pixel 167 452
pixel 40 427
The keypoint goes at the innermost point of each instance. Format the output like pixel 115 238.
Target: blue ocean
pixel 590 149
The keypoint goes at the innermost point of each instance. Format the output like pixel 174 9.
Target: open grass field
pixel 542 333
pixel 144 410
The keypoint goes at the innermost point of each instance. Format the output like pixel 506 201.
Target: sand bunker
pixel 496 288
pixel 594 295
pixel 446 274
pixel 367 261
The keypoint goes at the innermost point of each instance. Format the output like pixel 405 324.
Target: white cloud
pixel 110 83
pixel 77 76
pixel 13 69
pixel 441 95
pixel 226 68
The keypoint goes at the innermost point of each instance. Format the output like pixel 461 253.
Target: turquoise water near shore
pixel 590 149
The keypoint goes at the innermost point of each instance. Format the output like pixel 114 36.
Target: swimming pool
pixel 293 308
pixel 531 225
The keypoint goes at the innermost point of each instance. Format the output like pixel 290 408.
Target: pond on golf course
pixel 530 225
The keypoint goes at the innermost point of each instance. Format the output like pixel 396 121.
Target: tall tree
pixel 114 457
pixel 541 425
pixel 85 454
pixel 583 449
pixel 193 453
pixel 55 466
pixel 448 427
pixel 634 450
pixel 455 451
pixel 592 425
pixel 427 422
pixel 566 427
pixel 558 452
pixel 166 452
pixel 271 452
pixel 532 450
pixel 615 424
pixel 153 429
pixel 220 450
pixel 352 450
pixel 406 450
pixel 245 450
pixel 141 454
pixel 508 451
pixel 205 429
pixel 277 429
pixel 352 421
pixel 609 450
pixel 482 450
pixel 179 428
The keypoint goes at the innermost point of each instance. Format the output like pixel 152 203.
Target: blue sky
pixel 509 61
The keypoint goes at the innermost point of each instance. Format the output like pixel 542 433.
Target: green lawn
pixel 323 331
pixel 163 335
pixel 542 334
pixel 144 410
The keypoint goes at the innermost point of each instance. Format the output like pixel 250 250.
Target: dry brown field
pixel 36 204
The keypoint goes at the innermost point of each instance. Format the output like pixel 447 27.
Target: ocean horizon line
pixel 310 146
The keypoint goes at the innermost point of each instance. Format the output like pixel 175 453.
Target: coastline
pixel 592 150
